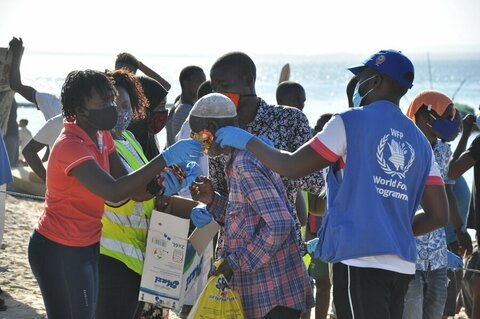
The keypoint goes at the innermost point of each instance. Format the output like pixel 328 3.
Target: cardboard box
pixel 173 260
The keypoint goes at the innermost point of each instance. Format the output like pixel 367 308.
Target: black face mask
pixel 103 119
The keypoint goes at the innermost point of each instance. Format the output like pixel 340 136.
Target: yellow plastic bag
pixel 217 301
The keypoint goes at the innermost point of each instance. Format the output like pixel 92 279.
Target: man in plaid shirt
pixel 262 262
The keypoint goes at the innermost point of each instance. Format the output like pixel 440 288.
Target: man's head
pixel 434 113
pixel 234 75
pixel 210 113
pixel 127 61
pixel 204 89
pixel 291 93
pixel 386 75
pixel 322 120
pixel 156 94
pixel 190 79
pixel 23 123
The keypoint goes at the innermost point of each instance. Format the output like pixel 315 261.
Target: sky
pixel 189 27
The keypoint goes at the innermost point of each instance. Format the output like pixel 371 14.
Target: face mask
pixel 103 119
pixel 235 97
pixel 157 121
pixel 123 120
pixel 357 98
pixel 445 128
pixel 205 137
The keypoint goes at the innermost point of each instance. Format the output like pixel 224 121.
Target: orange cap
pixel 434 100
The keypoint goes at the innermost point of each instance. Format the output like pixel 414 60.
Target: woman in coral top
pixel 83 172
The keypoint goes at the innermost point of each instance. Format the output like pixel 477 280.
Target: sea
pixel 324 77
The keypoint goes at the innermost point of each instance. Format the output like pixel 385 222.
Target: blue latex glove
pixel 182 151
pixel 200 216
pixel 172 184
pixel 233 136
pixel 266 140
pixel 453 261
pixel 192 169
pixel 312 245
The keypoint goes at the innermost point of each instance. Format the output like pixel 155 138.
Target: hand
pixel 200 216
pixel 266 140
pixel 312 245
pixel 223 269
pixel 182 151
pixel 453 261
pixel 202 190
pixel 233 136
pixel 192 170
pixel 16 45
pixel 171 182
pixel 468 122
pixel 464 241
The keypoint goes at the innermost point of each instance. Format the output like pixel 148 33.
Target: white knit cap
pixel 214 105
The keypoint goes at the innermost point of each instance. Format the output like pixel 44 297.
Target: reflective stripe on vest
pixel 125 228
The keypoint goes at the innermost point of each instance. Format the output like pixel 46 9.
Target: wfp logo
pixel 166 282
pixel 401 155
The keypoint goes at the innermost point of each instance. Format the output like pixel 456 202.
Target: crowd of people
pixel 373 197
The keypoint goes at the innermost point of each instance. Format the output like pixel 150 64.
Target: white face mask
pixel 357 98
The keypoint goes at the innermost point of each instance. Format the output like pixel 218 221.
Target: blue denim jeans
pixel 426 295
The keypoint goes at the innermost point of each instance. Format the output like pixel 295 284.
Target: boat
pixel 26 181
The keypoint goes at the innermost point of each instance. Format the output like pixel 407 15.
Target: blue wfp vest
pixel 370 210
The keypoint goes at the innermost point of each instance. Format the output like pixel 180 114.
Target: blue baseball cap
pixel 391 63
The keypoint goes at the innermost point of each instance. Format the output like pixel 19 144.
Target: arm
pixel 463 238
pixel 15 77
pixel 30 152
pixel 317 204
pixel 467 124
pixel 154 75
pixel 258 189
pixel 435 206
pixel 98 181
pixel 301 208
pixel 462 161
pixel 292 165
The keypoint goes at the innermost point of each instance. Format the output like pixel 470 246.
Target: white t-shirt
pixel 49 104
pixel 184 133
pixel 331 143
pixel 50 131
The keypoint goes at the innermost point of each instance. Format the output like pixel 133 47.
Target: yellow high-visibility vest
pixel 124 231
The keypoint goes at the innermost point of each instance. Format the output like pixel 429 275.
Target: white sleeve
pixel 49 104
pixel 331 142
pixel 184 131
pixel 434 177
pixel 50 131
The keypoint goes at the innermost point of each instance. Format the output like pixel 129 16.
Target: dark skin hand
pixel 202 190
pixel 223 269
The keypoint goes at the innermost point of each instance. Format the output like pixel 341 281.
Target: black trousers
pixel 368 293
pixel 118 290
pixel 280 312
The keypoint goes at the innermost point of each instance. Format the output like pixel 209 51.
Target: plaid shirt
pixel 260 240
pixel 288 129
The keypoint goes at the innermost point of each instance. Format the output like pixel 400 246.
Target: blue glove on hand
pixel 200 216
pixel 312 245
pixel 172 184
pixel 192 169
pixel 233 136
pixel 182 151
pixel 453 261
